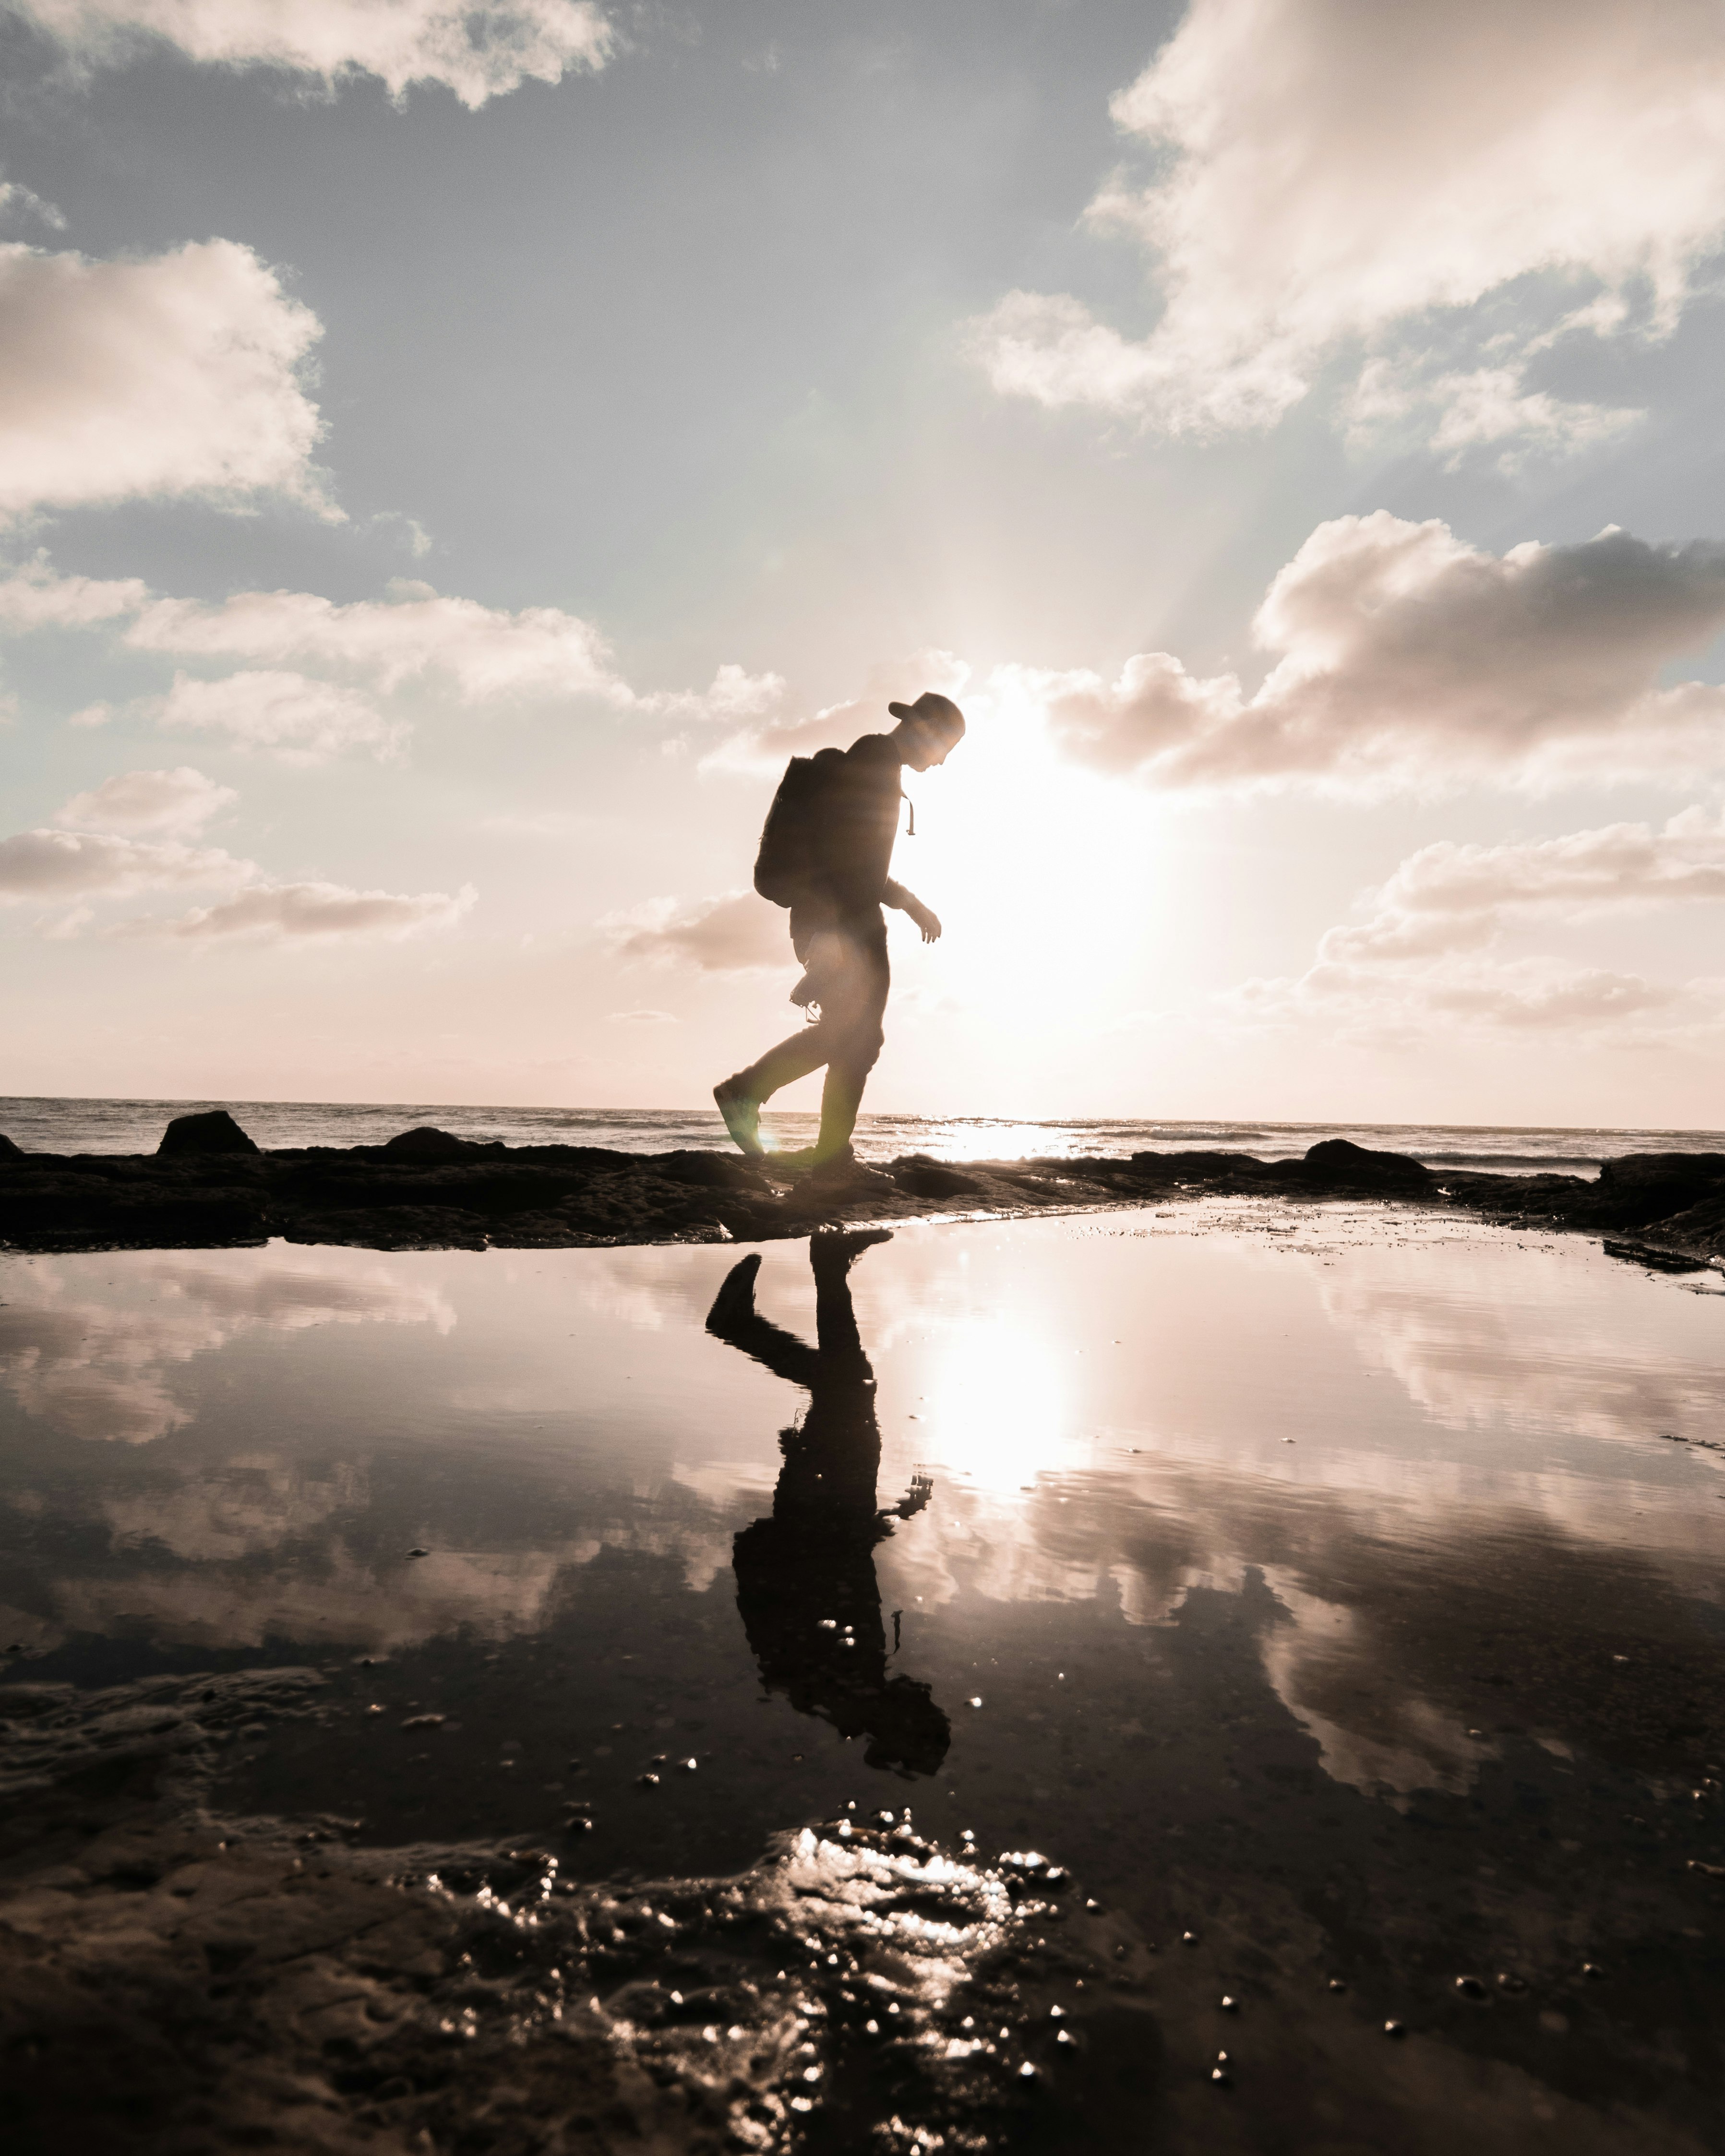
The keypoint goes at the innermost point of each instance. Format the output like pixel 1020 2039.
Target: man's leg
pixel 792 1059
pixel 847 1038
pixel 739 1097
pixel 857 1048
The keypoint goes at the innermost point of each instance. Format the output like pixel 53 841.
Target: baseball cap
pixel 940 714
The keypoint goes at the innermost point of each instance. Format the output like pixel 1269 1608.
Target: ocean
pixel 41 1125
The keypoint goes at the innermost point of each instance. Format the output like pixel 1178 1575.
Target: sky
pixel 448 461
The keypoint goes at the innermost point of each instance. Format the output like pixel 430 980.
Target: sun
pixel 1048 878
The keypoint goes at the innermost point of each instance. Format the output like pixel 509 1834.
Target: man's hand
pixel 906 901
pixel 928 922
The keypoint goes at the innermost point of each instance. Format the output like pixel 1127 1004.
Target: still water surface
pixel 1339 1587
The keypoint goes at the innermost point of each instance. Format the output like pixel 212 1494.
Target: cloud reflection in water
pixel 1463 1410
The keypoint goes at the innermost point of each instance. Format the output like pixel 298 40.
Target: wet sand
pixel 1337 1585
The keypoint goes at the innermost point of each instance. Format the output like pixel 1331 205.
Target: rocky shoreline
pixel 208 1185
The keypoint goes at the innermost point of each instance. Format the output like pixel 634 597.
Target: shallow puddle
pixel 1334 1593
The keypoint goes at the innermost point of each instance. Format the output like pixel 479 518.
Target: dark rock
pixel 706 1171
pixel 399 1228
pixel 1183 1166
pixel 214 1131
pixel 9 1150
pixel 428 1189
pixel 1340 1161
pixel 1031 1177
pixel 924 1177
pixel 1645 1187
pixel 1654 1259
pixel 1700 1228
pixel 487 1184
pixel 428 1143
pixel 50 1209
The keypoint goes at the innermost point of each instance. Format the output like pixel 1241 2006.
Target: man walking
pixel 830 837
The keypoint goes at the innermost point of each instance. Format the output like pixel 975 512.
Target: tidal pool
pixel 1333 1592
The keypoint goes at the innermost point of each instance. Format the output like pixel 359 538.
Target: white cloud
pixel 1521 995
pixel 18 200
pixel 1404 657
pixel 478 52
pixel 640 1018
pixel 482 652
pixel 1616 868
pixel 279 912
pixel 735 934
pixel 1485 407
pixel 733 697
pixel 179 801
pixel 299 720
pixel 479 654
pixel 50 867
pixel 59 864
pixel 179 374
pixel 1448 188
pixel 35 595
pixel 1427 952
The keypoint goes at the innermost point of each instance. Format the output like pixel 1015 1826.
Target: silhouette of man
pixel 806 1588
pixel 839 933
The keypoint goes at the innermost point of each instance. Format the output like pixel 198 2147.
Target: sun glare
pixel 1046 871
pixel 998 1405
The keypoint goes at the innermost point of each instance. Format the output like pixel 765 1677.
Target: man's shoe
pixel 794 1160
pixel 742 1116
pixel 845 1172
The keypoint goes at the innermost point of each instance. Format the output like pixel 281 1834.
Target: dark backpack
pixel 791 838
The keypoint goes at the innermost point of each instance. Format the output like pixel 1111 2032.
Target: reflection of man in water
pixel 805 1578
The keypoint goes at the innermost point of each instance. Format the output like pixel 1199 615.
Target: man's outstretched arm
pixel 906 901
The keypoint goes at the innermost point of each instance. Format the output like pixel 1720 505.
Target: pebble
pixel 1393 2029
pixel 1470 1987
pixel 418 1552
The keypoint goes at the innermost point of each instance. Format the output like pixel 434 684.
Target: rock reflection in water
pixel 805 1576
